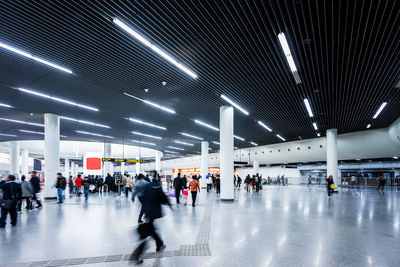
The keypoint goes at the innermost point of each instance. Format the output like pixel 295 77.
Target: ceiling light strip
pixel 315 126
pixel 147 123
pixel 172 152
pixel 94 134
pixel 38 59
pixel 239 138
pixel 192 136
pixel 5 105
pixel 40 133
pixel 8 135
pixel 308 107
pixel 177 148
pixel 57 99
pixel 280 137
pixel 254 144
pixel 147 135
pixel 264 125
pixel 150 103
pixel 144 143
pixel 85 122
pixel 224 97
pixel 289 58
pixel 206 125
pixel 183 143
pixel 155 48
pixel 380 110
pixel 22 122
pixel 215 142
pixel 368 126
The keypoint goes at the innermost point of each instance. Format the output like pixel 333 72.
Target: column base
pixel 230 199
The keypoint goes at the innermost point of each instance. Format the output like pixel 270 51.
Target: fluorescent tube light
pixel 94 134
pixel 155 48
pixel 238 137
pixel 84 122
pixel 177 148
pixel 9 135
pixel 215 142
pixel 315 126
pixel 33 132
pixel 147 123
pixel 183 143
pixel 5 105
pixel 318 134
pixel 289 58
pixel 22 122
pixel 57 99
pixel 38 59
pixel 192 136
pixel 254 144
pixel 308 107
pixel 395 157
pixel 234 104
pixel 150 103
pixel 147 135
pixel 172 152
pixel 368 126
pixel 142 142
pixel 380 110
pixel 280 137
pixel 206 125
pixel 264 125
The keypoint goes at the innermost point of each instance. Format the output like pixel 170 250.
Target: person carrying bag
pixel 12 194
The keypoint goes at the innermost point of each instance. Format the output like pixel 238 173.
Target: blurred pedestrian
pixel 12 194
pixel 61 184
pixel 138 191
pixel 35 182
pixel 27 193
pixel 194 187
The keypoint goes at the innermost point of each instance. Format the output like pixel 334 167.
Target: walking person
pixel 61 184
pixel 138 191
pixel 329 183
pixel 100 185
pixel 194 187
pixel 208 182
pixel 247 182
pixel 218 184
pixel 78 184
pixel 154 197
pixel 12 194
pixel 86 186
pixel 71 186
pixel 381 184
pixel 35 182
pixel 128 185
pixel 257 182
pixel 178 185
pixel 27 193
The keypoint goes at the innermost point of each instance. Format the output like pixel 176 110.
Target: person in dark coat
pixel 154 197
pixel 61 184
pixel 329 182
pixel 109 181
pixel 35 182
pixel 100 184
pixel 178 185
pixel 11 191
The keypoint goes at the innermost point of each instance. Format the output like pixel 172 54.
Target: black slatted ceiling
pixel 346 53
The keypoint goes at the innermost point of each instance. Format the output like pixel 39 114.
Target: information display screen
pixel 122 160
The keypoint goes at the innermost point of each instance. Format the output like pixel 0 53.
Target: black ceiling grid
pixel 346 52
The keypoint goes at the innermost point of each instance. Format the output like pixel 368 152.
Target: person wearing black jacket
pixel 109 182
pixel 154 197
pixel 100 184
pixel 35 182
pixel 329 182
pixel 61 184
pixel 11 191
pixel 178 185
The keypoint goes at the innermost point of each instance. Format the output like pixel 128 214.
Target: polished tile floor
pixel 278 226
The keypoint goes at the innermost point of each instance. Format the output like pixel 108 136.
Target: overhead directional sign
pixel 122 160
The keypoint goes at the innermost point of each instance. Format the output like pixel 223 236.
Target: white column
pixel 332 155
pixel 73 169
pixel 24 162
pixel 158 155
pixel 204 163
pixel 107 166
pixel 66 169
pixel 256 166
pixel 137 165
pixel 51 153
pixel 226 152
pixel 14 158
pixel 77 169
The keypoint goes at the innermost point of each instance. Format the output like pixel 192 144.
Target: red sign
pixel 93 163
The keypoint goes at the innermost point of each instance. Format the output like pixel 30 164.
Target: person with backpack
pixel 27 193
pixel 257 182
pixel 86 186
pixel 194 187
pixel 61 184
pixel 178 185
pixel 100 184
pixel 12 194
pixel 247 181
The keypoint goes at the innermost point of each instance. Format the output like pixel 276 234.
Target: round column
pixel 14 158
pixel 158 161
pixel 51 153
pixel 204 163
pixel 332 155
pixel 66 168
pixel 137 165
pixel 256 166
pixel 73 169
pixel 226 152
pixel 107 166
pixel 24 162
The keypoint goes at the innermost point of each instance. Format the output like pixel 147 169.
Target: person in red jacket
pixel 78 184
